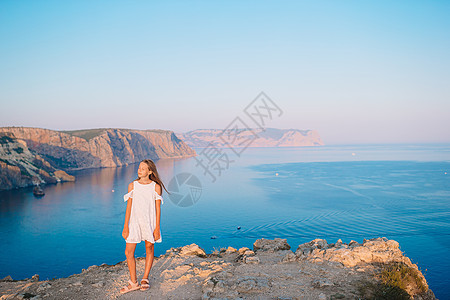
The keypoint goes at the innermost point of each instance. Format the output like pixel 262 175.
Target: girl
pixel 142 220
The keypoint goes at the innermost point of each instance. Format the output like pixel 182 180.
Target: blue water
pixel 350 192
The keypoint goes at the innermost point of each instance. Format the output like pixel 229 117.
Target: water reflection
pixel 13 200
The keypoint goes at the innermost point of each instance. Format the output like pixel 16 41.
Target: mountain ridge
pixel 253 137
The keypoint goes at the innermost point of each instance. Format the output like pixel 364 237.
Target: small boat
pixel 38 191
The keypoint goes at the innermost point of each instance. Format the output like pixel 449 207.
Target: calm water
pixel 401 192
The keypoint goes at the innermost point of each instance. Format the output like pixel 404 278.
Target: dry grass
pixel 392 281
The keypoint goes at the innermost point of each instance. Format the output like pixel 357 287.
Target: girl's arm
pixel 128 212
pixel 158 206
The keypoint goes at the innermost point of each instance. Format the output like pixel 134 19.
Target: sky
pixel 358 72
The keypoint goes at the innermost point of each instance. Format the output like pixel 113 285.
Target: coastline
pixel 271 269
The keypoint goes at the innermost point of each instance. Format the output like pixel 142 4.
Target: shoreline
pixel 272 269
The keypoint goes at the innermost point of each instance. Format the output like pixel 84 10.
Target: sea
pixel 232 197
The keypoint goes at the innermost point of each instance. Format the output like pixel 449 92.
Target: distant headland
pixel 254 137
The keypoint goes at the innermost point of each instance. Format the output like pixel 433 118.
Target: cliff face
pixel 34 155
pixel 19 167
pixel 95 148
pixel 270 137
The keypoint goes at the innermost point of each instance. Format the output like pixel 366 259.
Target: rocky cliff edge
pixel 373 269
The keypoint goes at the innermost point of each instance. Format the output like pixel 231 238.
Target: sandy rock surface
pixel 316 270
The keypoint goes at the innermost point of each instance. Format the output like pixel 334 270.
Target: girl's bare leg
pixel 131 261
pixel 150 251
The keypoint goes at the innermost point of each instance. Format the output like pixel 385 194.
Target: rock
pixel 307 248
pixel 43 286
pixel 98 284
pixel 231 249
pixel 251 259
pixel 371 251
pixel 25 296
pixel 360 270
pixel 38 191
pixel 192 250
pixel 243 249
pixel 320 243
pixel 35 277
pixel 173 252
pixel 248 284
pixel 7 278
pixel 90 268
pixel 271 245
pixel 77 283
pixel 322 296
pixel 289 257
pixel 303 250
pixel 63 176
pixel 213 284
pixel 353 243
pixel 320 283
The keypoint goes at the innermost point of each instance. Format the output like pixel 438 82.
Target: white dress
pixel 142 221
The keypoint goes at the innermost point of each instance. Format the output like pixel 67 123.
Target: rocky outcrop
pixel 379 250
pixel 269 137
pixel 19 167
pixel 316 270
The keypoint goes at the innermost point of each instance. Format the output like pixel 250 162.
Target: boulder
pixel 63 176
pixel 251 259
pixel 7 278
pixel 374 250
pixel 192 250
pixel 243 249
pixel 271 245
pixel 307 248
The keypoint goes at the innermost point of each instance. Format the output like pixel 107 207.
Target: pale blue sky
pixel 356 71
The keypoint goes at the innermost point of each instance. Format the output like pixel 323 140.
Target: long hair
pixel 154 175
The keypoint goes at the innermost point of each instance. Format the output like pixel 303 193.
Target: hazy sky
pixel 356 71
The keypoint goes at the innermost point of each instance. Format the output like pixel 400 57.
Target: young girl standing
pixel 142 220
